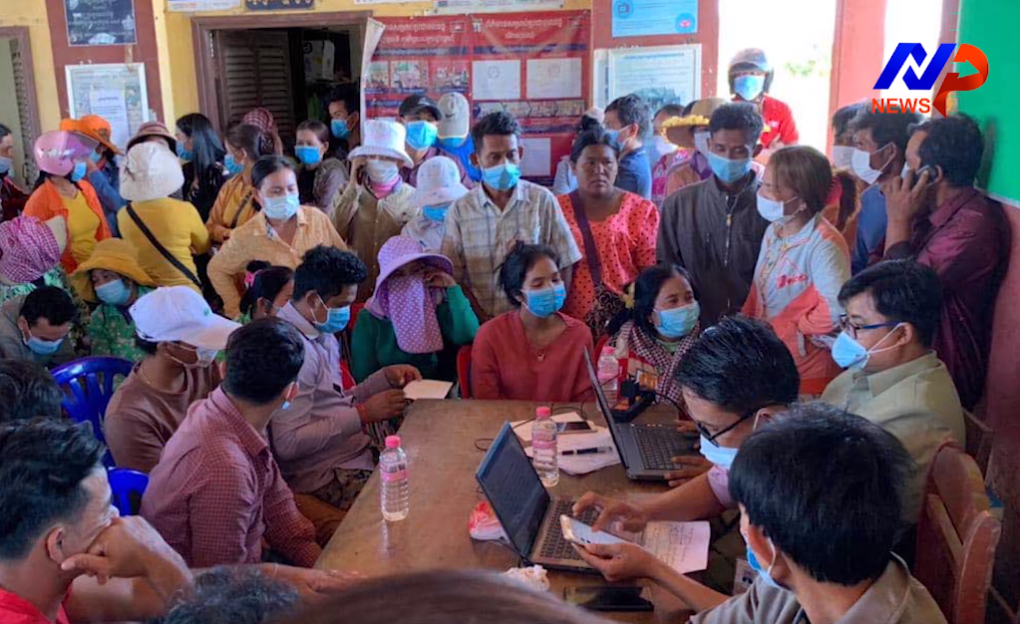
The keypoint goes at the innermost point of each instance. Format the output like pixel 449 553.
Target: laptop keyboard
pixel 657 445
pixel 555 546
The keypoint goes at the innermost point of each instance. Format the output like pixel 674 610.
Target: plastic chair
pixel 128 488
pixel 464 371
pixel 88 385
pixel 956 537
pixel 979 440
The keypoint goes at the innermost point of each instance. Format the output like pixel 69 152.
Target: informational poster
pixel 99 22
pixel 639 18
pixel 661 75
pixel 534 65
pixel 195 6
pixel 460 7
pixel 116 92
pixel 275 5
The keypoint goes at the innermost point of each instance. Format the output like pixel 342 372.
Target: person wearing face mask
pixel 804 259
pixel 628 120
pixel 455 133
pixel 750 75
pixel 267 290
pixel 113 280
pixel 319 441
pixel 534 352
pixel 320 177
pixel 486 224
pixel 664 153
pixel 235 205
pixel 165 231
pixel 376 203
pixel 420 116
pixel 62 191
pixel 615 228
pixel 181 337
pixel 418 315
pixel 820 498
pixel 843 135
pixel 893 377
pixel 280 233
pixel 712 228
pixel 102 164
pixel 657 329
pixel 438 187
pixel 344 107
pixel 12 198
pixel 690 132
pixel 201 153
pixel 880 144
pixel 35 327
pixel 736 377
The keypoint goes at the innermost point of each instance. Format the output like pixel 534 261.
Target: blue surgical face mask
pixel 336 319
pixel 435 213
pixel 729 171
pixel 719 455
pixel 614 135
pixel 114 293
pixel 545 302
pixel 282 207
pixel 95 156
pixel 848 353
pixel 422 135
pixel 78 172
pixel 6 164
pixel 452 144
pixel 308 154
pixel 39 346
pixel 232 165
pixel 678 322
pixel 184 154
pixel 502 177
pixel 749 87
pixel 764 573
pixel 338 128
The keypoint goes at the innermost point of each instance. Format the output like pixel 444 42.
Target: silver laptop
pixel 530 517
pixel 646 450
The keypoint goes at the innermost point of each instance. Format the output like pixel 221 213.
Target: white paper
pixel 496 80
pixel 427 389
pixel 554 78
pixel 576 465
pixel 537 157
pixel 116 91
pixel 681 545
pixel 111 106
pixel 523 427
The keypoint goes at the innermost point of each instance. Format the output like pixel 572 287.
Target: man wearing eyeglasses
pixel 894 378
pixel 736 377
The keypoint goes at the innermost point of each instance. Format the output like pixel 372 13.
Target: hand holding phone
pixel 577 532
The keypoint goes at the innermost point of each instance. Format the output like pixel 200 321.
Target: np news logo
pixel 926 81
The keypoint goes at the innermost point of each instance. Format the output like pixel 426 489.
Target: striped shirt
pixel 479 235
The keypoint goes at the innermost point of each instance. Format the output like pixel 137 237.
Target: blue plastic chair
pixel 88 385
pixel 128 488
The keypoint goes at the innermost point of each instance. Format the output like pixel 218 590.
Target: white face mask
pixel 661 146
pixel 382 171
pixel 842 156
pixel 772 210
pixel 701 141
pixel 861 162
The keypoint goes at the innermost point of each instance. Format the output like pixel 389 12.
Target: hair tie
pixel 628 297
pixel 835 192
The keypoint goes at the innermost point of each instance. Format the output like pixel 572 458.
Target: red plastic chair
pixel 956 537
pixel 464 371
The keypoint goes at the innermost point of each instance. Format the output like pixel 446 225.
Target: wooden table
pixel 442 441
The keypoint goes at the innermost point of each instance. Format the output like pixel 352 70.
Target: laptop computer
pixel 646 450
pixel 529 515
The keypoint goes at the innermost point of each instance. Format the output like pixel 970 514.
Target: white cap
pixel 179 314
pixel 383 138
pixel 456 121
pixel 438 183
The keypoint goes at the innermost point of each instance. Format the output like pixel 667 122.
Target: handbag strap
pixel 591 251
pixel 177 264
pixel 244 204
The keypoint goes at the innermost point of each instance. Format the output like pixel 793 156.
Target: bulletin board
pixel 534 65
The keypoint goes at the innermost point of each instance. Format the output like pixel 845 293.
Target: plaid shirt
pixel 217 491
pixel 479 235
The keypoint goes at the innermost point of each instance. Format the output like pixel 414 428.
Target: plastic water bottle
pixel 609 373
pixel 396 493
pixel 545 454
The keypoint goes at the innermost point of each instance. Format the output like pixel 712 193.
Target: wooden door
pixel 254 70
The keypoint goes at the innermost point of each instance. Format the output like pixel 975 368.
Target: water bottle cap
pixel 543 412
pixel 608 350
pixel 393 442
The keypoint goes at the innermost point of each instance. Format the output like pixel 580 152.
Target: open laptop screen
pixel 514 490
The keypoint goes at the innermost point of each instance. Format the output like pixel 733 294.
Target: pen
pixel 589 451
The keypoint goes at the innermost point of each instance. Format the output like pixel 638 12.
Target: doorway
pixel 20 110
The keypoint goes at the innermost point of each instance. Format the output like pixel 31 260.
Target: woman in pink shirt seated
pixel 533 353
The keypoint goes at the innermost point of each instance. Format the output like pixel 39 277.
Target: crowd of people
pixel 822 324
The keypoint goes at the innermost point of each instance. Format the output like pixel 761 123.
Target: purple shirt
pixel 966 241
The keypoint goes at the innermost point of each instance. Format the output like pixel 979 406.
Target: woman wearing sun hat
pixel 376 204
pixel 438 187
pixel 113 278
pixel 416 312
pixel 62 191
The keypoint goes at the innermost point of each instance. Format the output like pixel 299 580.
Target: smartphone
pixel 577 532
pixel 576 426
pixel 608 598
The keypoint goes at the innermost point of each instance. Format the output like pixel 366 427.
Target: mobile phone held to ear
pixel 608 598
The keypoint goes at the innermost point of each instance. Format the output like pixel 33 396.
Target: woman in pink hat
pixel 63 192
pixel 417 311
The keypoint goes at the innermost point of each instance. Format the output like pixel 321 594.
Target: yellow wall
pixel 178 70
pixel 32 13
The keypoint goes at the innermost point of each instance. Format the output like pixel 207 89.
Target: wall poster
pixel 99 22
pixel 116 92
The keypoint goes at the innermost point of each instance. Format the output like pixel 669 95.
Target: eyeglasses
pixel 850 328
pixel 711 437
